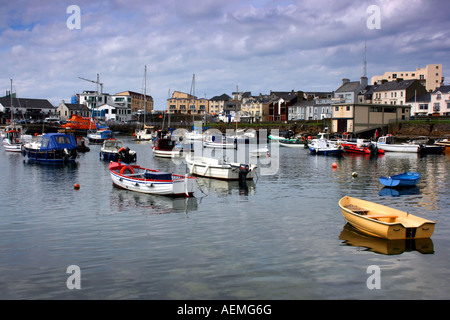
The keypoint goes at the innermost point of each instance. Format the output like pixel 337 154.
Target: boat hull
pixel 384 222
pixel 408 148
pixel 49 156
pixel 135 179
pixel 406 179
pixel 217 169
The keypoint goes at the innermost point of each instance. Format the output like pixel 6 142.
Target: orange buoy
pixel 334 165
pixel 76 186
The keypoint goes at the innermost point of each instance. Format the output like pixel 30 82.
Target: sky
pixel 246 45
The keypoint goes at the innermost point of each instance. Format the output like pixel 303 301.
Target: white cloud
pixel 258 45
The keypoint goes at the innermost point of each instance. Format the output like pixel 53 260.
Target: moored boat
pixel 387 143
pixel 53 148
pixel 139 179
pixel 361 147
pixel 12 142
pixel 384 222
pixel 114 150
pixel 401 180
pixel 325 147
pixel 100 136
pixel 292 143
pixel 165 148
pixel 219 168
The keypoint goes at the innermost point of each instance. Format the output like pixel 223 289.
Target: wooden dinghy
pixel 384 222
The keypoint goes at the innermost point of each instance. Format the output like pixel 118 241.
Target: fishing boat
pixel 165 148
pixel 139 179
pixel 114 150
pixel 52 148
pixel 427 148
pixel 325 147
pixel 144 134
pixel 387 143
pixel 384 222
pixel 400 180
pixel 99 136
pixel 219 168
pixel 12 142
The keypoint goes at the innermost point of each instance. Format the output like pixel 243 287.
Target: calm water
pixel 281 238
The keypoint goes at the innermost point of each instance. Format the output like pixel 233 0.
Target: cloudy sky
pixel 257 46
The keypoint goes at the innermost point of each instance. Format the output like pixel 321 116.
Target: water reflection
pixel 126 201
pixel 397 192
pixel 223 188
pixel 352 237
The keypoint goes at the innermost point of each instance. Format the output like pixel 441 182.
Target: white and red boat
pixel 139 179
pixel 361 147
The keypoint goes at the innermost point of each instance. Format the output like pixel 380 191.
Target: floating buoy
pixel 354 174
pixel 334 165
pixel 76 186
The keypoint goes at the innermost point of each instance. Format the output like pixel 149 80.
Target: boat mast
pixel 10 96
pixel 145 92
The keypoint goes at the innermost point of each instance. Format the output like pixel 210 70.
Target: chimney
pixel 364 82
pixel 345 80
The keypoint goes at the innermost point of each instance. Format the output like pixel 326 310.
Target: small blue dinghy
pixel 401 180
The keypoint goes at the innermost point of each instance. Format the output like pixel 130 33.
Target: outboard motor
pixel 244 169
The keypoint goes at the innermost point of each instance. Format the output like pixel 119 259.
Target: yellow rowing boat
pixel 384 222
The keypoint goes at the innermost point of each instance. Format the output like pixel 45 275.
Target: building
pixel 397 92
pixel 66 110
pixel 430 76
pixel 420 105
pixel 317 109
pixel 134 101
pixel 217 104
pixel 113 112
pixel 183 103
pixel 280 103
pixel 349 90
pixel 255 108
pixel 359 117
pixel 440 101
pixel 26 108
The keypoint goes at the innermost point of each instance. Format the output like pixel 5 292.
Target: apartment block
pixel 430 76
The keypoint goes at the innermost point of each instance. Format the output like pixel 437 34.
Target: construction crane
pixel 97 82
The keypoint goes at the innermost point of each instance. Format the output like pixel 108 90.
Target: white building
pixel 440 101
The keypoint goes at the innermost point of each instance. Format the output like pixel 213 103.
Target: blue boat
pixel 100 136
pixel 52 148
pixel 401 180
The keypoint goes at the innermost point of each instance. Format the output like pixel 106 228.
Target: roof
pixel 26 103
pixel 350 86
pixel 442 89
pixel 223 97
pixel 420 98
pixel 395 85
pixel 76 106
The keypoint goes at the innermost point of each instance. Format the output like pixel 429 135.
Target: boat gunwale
pixel 426 221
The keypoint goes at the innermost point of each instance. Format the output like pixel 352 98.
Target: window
pixel 436 106
pixel 394 76
pixel 348 108
pixel 336 108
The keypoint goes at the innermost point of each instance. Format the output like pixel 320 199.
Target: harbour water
pixel 281 238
